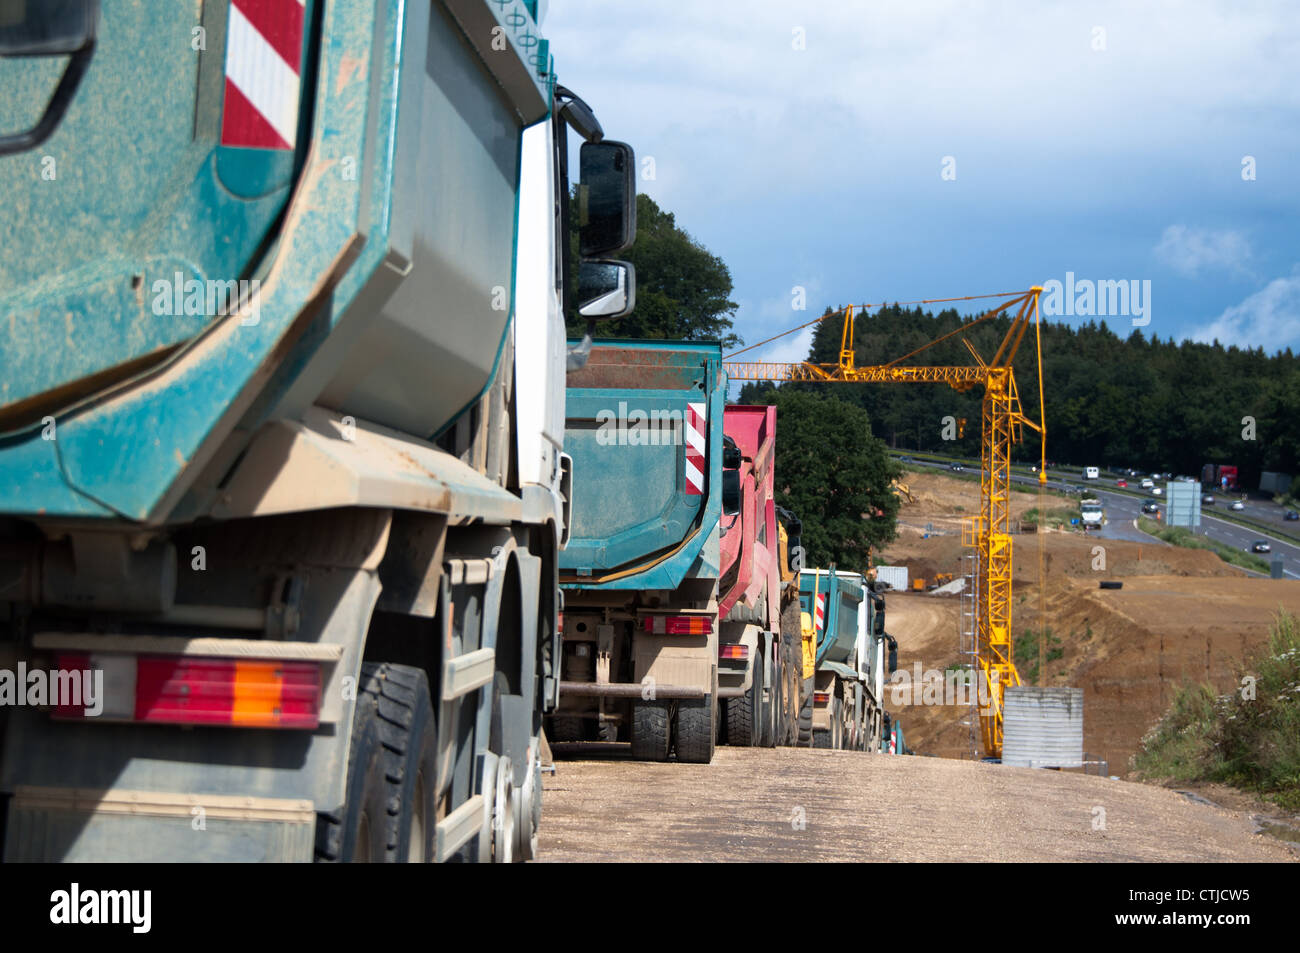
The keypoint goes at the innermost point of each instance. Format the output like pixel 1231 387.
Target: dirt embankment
pixel 1182 615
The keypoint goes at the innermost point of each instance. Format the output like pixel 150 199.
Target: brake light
pixel 679 624
pixel 190 690
pixel 821 698
pixel 733 651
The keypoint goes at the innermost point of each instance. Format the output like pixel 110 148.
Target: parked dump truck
pixel 640 573
pixel 843 704
pixel 270 471
pixel 756 665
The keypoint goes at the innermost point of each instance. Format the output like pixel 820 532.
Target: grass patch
pixel 1249 739
pixel 1025 653
pixel 1055 517
pixel 1182 536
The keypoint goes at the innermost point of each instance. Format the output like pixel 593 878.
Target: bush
pixel 1250 738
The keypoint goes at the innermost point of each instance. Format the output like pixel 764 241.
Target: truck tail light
pixel 679 624
pixel 194 690
pixel 733 651
pixel 821 698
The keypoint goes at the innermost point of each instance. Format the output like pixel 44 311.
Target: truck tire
pixel 743 714
pixel 831 737
pixel 697 729
pixel 651 731
pixel 565 729
pixel 805 738
pixel 390 813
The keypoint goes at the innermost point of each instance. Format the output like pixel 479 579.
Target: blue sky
pixel 806 143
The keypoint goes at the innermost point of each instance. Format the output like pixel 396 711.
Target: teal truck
pixel 640 572
pixel 282 479
pixel 843 700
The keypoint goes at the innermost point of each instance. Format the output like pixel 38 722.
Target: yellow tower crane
pixel 1003 423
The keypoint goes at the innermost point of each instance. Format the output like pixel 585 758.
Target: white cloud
pixel 719 93
pixel 788 350
pixel 1189 250
pixel 1270 318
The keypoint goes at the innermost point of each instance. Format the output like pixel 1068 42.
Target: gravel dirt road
pixel 790 804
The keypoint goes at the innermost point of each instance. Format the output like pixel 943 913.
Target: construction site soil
pixel 1182 615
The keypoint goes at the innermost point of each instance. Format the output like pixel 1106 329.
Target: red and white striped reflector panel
pixel 678 624
pixel 189 690
pixel 697 424
pixel 819 613
pixel 263 66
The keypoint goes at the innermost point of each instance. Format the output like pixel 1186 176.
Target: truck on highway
pixel 1091 513
pixel 640 574
pixel 281 424
pixel 843 703
pixel 1220 476
pixel 1091 473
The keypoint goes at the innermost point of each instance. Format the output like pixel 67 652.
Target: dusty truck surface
pixel 845 661
pixel 640 571
pixel 273 480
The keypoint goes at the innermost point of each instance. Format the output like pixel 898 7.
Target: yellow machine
pixel 1003 423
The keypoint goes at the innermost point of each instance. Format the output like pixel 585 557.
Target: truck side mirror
pixel 893 656
pixel 48 28
pixel 606 289
pixel 731 456
pixel 606 198
pixel 730 492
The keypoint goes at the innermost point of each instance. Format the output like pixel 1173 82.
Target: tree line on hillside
pixel 1136 401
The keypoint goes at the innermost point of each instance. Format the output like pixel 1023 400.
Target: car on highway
pixel 1157 491
pixel 1207 500
pixel 1148 483
pixel 1150 506
pixel 1237 505
pixel 1291 515
pixel 1121 482
pixel 956 467
pixel 1260 546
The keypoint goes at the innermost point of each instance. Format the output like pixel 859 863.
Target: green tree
pixel 833 475
pixel 683 290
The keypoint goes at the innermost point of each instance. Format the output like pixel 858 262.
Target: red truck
pixel 759 672
pixel 1219 476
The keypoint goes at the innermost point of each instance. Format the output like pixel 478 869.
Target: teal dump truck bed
pixel 245 212
pixel 641 419
pixel 838 598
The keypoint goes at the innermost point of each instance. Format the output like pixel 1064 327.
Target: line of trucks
pixel 313 523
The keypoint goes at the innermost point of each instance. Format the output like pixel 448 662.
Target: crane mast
pixel 1003 422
